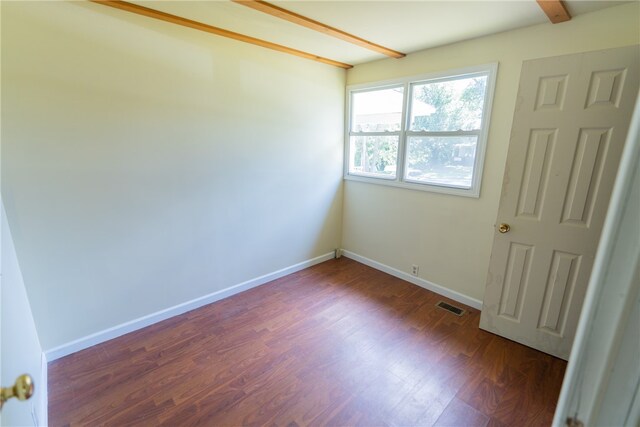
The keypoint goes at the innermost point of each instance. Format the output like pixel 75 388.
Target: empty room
pixel 332 213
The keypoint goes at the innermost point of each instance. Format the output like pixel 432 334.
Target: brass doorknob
pixel 22 389
pixel 504 228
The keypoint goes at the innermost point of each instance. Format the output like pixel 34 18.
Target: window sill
pixel 430 188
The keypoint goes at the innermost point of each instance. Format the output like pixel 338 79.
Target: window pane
pixel 377 110
pixel 373 155
pixel 448 106
pixel 441 160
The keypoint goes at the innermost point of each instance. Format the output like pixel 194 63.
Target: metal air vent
pixel 455 310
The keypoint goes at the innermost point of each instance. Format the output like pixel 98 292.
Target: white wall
pixel 21 350
pixel 145 164
pixel 450 237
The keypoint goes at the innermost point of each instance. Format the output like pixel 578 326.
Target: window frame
pixel 396 133
pixel 490 70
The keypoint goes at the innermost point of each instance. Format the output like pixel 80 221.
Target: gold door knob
pixel 22 389
pixel 504 228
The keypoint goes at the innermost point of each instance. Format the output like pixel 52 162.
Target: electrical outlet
pixel 414 270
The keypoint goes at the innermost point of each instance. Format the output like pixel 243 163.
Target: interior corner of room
pixel 149 169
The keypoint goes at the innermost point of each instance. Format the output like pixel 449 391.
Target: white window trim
pixel 406 82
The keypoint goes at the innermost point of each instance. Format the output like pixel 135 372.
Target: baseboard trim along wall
pixel 142 322
pixel 134 325
pixel 456 296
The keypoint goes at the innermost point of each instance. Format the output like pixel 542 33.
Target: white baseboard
pixel 150 319
pixel 456 296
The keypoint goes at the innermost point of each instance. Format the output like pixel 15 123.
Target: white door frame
pixel 611 296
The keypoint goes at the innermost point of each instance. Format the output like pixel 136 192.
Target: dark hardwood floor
pixel 337 344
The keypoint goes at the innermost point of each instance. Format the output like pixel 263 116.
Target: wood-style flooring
pixel 337 344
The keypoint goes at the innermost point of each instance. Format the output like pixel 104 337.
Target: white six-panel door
pixel 570 123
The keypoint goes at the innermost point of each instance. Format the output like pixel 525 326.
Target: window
pixel 426 133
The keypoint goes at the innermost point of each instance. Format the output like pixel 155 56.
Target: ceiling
pixel 405 26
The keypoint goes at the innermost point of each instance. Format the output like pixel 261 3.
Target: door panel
pixel 558 291
pixel 536 172
pixel 516 279
pixel 569 127
pixel 586 174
